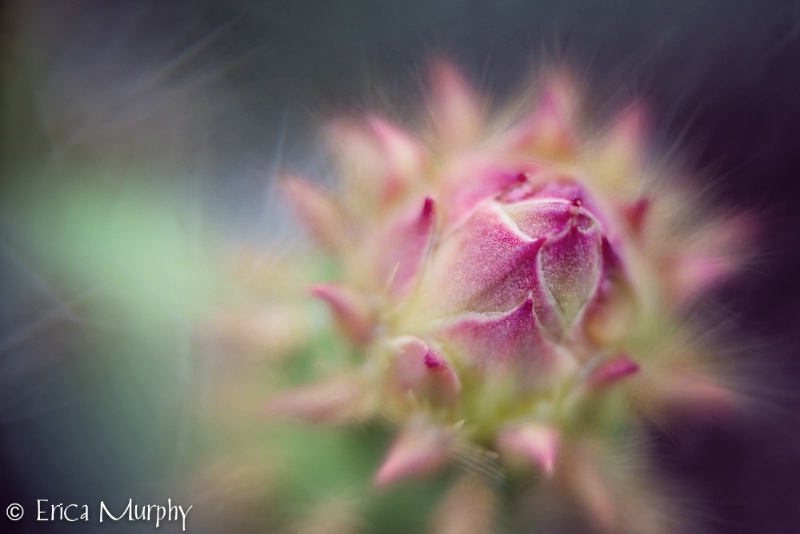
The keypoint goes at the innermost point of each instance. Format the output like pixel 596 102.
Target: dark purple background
pixel 722 78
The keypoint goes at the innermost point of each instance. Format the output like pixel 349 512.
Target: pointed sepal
pixel 533 443
pixel 686 391
pixel 636 214
pixel 420 450
pixel 419 369
pixel 611 371
pixel 616 159
pixel 485 265
pixel 405 157
pixel 350 310
pixel 399 250
pixel 692 274
pixel 469 507
pixel 454 107
pixel 502 343
pixel 707 257
pixel 571 266
pixel 468 182
pixel 317 211
pixel 274 331
pixel 548 131
pixel 586 479
pixel 330 402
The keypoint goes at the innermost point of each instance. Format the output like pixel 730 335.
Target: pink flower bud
pixel 513 292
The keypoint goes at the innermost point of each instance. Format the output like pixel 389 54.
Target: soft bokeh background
pixel 139 135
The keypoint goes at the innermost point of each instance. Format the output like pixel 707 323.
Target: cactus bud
pixel 517 293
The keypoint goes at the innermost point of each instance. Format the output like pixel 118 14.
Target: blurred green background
pixel 139 137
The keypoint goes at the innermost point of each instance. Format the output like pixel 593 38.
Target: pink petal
pixel 456 112
pixel 623 146
pixel 611 316
pixel 400 249
pixel 420 369
pixel 273 332
pixel 331 402
pixel 472 181
pixel 571 258
pixel 571 266
pixel 317 211
pixel 616 159
pixel 484 265
pixel 405 157
pixel 629 131
pixel 709 256
pixel 470 506
pixel 419 451
pixel 504 341
pixel 612 371
pixel 592 488
pixel 693 274
pixel 350 310
pixel 536 443
pixel 363 167
pixel 635 215
pixel 542 218
pixel 546 205
pixel 379 159
pixel 704 395
pixel 548 131
pixel 684 391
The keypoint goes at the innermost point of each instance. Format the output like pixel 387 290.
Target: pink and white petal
pixel 541 218
pixel 571 267
pixel 473 180
pixel 585 478
pixel 635 214
pixel 420 450
pixel 349 308
pixel 611 371
pixel 550 206
pixel 270 332
pixel 616 160
pixel 418 368
pixel 405 156
pixel 626 140
pixel 548 131
pixel 336 401
pixel 484 265
pixel 318 212
pixel 690 275
pixel 709 256
pixel 470 506
pixel 455 110
pixel 533 443
pixel 500 342
pixel 362 163
pixel 612 315
pixel 684 391
pixel 399 249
